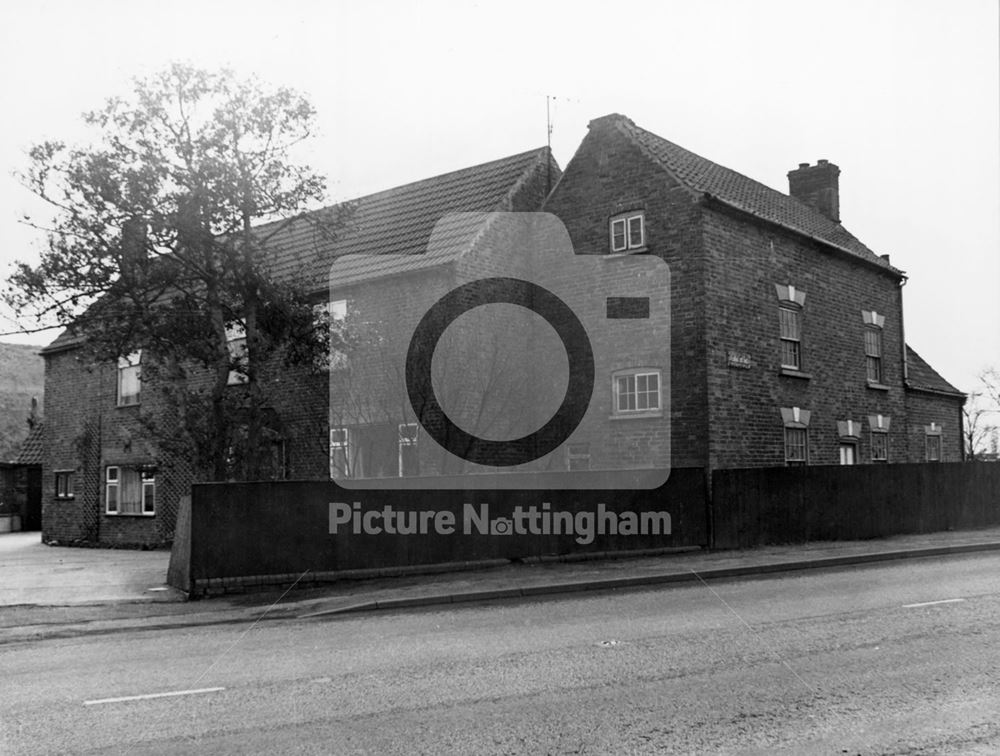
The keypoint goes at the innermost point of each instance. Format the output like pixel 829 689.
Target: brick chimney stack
pixel 817 185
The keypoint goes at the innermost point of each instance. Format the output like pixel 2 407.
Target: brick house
pixel 785 340
pixel 782 342
pixel 787 331
pixel 104 478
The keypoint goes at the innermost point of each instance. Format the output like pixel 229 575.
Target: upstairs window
pixel 791 337
pixel 790 304
pixel 236 343
pixel 628 232
pixel 873 354
pixel 636 391
pixel 873 345
pixel 129 380
pixel 334 315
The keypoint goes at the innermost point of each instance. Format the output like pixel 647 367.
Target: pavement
pixel 51 591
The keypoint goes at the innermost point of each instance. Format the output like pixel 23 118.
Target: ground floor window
pixel 339 453
pixel 796 422
pixel 578 456
pixel 880 446
pixel 129 491
pixel 933 448
pixel 636 391
pixel 380 450
pixel 64 484
pixel 848 453
pixel 796 446
pixel 409 459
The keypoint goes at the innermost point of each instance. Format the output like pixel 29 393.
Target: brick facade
pixel 727 382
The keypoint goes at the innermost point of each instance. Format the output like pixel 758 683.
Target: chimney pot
pixel 822 161
pixel 803 165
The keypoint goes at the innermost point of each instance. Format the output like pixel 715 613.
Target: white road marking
pixel 146 696
pixel 933 603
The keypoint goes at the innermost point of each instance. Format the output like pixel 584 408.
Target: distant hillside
pixel 22 376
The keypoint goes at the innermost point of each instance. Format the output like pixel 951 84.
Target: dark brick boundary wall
pixel 240 536
pixel 753 507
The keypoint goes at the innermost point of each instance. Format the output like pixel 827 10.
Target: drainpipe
pixel 961 429
pixel 902 332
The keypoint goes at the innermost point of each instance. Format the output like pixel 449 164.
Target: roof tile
pixel 921 375
pixel 32 450
pixel 396 221
pixel 704 176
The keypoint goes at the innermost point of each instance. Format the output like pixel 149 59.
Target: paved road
pixel 823 662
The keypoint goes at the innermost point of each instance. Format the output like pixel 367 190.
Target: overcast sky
pixel 902 95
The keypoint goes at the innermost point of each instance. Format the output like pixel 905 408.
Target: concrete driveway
pixel 33 573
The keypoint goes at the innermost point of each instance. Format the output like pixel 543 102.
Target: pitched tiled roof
pixel 399 221
pixel 31 449
pixel 392 222
pixel 706 177
pixel 65 340
pixel 920 375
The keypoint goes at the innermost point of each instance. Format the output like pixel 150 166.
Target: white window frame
pixel 796 461
pixel 64 481
pixel 340 440
pixel 408 437
pixel 147 480
pixel 627 222
pixel 635 374
pixel 795 313
pixel 884 435
pixel 848 445
pixel 934 438
pixel 130 363
pixel 875 361
pixel 113 482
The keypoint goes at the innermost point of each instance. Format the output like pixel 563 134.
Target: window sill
pixel 130 514
pixel 628 252
pixel 793 373
pixel 636 415
pixel 126 406
pixel 878 386
pixel 65 498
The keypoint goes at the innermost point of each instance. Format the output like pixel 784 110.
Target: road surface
pixel 898 658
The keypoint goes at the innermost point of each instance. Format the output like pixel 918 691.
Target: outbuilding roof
pixel 922 377
pixel 31 450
